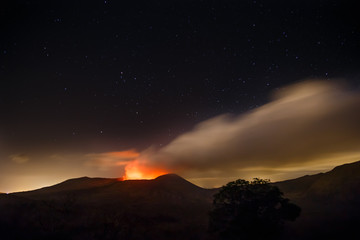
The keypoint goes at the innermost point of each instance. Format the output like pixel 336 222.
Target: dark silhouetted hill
pixel 330 203
pixel 71 185
pixel 170 207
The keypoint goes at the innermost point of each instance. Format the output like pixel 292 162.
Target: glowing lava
pixel 140 170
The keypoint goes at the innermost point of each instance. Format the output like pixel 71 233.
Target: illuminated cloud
pixel 304 125
pixel 19 158
pixel 307 127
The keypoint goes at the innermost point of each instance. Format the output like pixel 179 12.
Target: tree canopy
pixel 250 210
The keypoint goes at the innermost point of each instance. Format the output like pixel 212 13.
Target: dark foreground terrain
pixel 169 207
pixel 330 204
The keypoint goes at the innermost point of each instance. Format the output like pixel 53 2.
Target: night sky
pixel 94 78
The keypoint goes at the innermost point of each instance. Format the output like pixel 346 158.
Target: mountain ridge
pixel 330 203
pixel 89 182
pixel 323 184
pixel 170 207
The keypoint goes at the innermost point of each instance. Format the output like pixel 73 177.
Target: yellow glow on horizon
pixel 140 169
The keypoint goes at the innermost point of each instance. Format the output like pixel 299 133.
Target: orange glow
pixel 140 170
pixel 124 154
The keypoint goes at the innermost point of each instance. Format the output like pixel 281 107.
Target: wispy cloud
pixel 19 158
pixel 312 124
pixel 303 125
pixel 304 122
pixel 108 160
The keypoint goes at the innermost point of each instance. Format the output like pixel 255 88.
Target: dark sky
pixel 100 76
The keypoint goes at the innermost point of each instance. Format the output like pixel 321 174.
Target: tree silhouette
pixel 250 210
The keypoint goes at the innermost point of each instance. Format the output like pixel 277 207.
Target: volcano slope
pixel 168 207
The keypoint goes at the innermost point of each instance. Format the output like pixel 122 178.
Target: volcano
pixel 170 207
